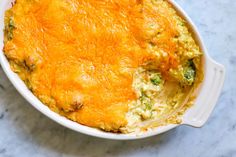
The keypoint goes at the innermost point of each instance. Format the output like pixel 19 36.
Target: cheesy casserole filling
pixel 118 65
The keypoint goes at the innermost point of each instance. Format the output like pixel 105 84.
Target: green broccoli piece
pixel 156 79
pixel 9 28
pixel 145 100
pixel 190 72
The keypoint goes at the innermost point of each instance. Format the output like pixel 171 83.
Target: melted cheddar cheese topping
pixel 79 57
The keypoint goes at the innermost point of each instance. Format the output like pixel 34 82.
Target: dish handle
pixel 211 88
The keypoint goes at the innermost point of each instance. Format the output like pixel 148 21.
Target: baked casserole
pixel 117 65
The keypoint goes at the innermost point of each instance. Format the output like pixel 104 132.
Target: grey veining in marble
pixel 24 132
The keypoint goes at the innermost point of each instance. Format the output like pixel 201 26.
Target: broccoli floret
pixel 9 28
pixel 156 79
pixel 189 72
pixel 146 101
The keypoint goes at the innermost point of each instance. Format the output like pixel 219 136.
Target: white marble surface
pixel 24 132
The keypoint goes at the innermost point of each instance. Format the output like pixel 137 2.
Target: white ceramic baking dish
pixel 196 116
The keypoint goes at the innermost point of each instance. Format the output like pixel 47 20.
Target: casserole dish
pixel 196 116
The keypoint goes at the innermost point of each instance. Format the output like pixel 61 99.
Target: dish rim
pixel 35 102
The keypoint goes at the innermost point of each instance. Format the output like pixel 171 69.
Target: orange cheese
pixel 84 53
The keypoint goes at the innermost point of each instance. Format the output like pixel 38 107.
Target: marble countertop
pixel 25 132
